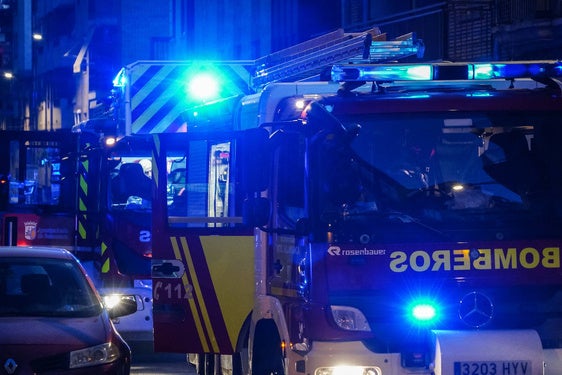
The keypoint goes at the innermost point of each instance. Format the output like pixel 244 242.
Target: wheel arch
pixel 268 328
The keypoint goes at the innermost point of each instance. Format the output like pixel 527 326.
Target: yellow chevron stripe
pixel 199 295
pixel 83 183
pixel 105 266
pixel 192 304
pixel 81 205
pixel 81 229
pixel 235 298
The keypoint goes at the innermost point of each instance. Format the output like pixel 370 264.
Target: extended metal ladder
pixel 307 61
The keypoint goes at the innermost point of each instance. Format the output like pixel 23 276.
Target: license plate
pixel 493 368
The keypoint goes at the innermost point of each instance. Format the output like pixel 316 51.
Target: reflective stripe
pixel 105 266
pixel 82 199
pixel 220 278
pixel 158 94
pixel 198 298
pixel 104 258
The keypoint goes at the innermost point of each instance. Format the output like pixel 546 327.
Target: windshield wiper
pixel 405 218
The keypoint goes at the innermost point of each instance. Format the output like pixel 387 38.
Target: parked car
pixel 135 327
pixel 53 320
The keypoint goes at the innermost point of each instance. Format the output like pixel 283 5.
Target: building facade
pixel 58 57
pixel 65 76
pixel 463 30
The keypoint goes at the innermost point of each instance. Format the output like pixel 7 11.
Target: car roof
pixel 33 251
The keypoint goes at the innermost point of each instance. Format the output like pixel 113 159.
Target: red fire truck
pixel 402 219
pixel 57 191
pixel 39 171
pixel 74 190
pixel 170 97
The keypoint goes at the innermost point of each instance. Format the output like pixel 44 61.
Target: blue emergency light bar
pixel 445 71
pixel 120 79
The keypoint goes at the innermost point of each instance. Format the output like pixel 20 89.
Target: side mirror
pixel 118 305
pixel 254 156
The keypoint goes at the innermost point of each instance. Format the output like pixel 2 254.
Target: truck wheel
pixel 267 356
pixel 237 364
pixel 206 364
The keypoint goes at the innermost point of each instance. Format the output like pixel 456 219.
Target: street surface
pixel 146 362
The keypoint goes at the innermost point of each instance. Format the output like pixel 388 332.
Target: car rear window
pixel 45 287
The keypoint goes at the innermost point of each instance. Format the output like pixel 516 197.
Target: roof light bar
pixel 446 71
pixel 120 79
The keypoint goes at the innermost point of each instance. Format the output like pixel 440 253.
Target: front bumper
pixel 451 349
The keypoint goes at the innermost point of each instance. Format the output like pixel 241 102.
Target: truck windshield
pixel 131 186
pixel 445 168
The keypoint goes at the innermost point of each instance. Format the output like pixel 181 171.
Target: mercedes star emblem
pixel 476 309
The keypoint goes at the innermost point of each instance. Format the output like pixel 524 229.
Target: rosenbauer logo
pixel 337 251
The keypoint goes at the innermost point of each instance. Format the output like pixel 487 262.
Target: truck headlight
pixel 350 318
pixel 348 370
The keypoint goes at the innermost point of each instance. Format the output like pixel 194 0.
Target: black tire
pixel 206 364
pixel 236 364
pixel 267 356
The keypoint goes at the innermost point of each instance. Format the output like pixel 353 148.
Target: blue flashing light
pixel 446 71
pixel 203 86
pixel 512 70
pixel 479 94
pixel 120 79
pixel 422 312
pixel 414 72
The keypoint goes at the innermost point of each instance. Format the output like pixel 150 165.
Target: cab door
pixel 203 253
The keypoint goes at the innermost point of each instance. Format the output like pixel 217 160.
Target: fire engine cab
pixel 407 221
